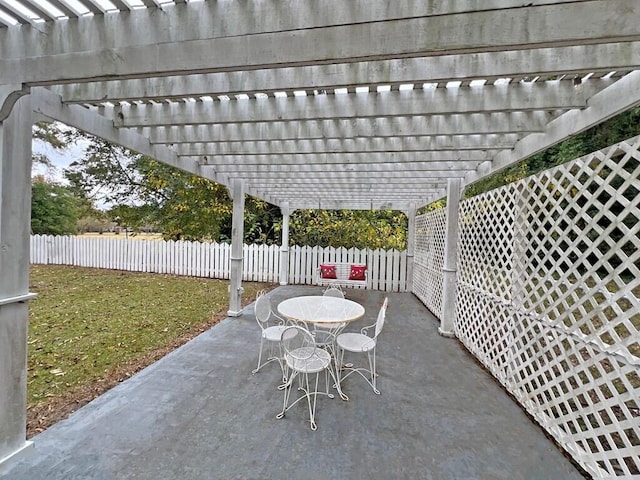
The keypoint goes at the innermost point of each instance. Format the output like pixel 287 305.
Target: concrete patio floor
pixel 199 413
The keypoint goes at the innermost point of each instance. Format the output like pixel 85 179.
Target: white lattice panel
pixel 429 259
pixel 485 246
pixel 548 288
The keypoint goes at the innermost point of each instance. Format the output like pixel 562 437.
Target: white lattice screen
pixel 548 300
pixel 429 259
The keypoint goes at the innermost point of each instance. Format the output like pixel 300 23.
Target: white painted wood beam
pixel 620 96
pixel 326 204
pixel 431 144
pixel 469 124
pixel 284 245
pixel 237 191
pixel 580 59
pixel 283 15
pixel 496 98
pixel 364 160
pixel 376 180
pixel 9 95
pixel 338 160
pixel 243 36
pixel 359 195
pixel 15 202
pixel 449 270
pixel 331 174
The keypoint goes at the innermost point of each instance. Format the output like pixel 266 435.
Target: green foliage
pixel 349 228
pixel 146 192
pixel 87 323
pixel 616 129
pixel 54 209
pixel 52 134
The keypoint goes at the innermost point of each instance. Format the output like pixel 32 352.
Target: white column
pixel 15 208
pixel 449 290
pixel 411 244
pixel 237 243
pixel 284 247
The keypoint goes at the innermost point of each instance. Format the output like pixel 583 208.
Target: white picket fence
pixel 387 269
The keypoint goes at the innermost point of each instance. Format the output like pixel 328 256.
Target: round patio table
pixel 320 309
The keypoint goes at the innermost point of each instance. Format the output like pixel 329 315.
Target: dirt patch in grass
pixel 92 329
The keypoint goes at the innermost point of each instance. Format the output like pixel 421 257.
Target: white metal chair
pixel 303 358
pixel 272 327
pixel 325 333
pixel 333 291
pixel 360 343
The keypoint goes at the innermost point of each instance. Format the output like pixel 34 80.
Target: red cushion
pixel 357 272
pixel 328 271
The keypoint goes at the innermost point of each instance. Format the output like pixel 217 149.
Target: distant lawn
pixel 90 329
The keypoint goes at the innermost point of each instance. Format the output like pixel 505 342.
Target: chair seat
pixel 317 360
pixel 355 342
pixel 273 333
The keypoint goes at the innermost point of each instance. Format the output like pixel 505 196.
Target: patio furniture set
pixel 306 339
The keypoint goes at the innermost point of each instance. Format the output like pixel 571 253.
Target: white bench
pixel 343 272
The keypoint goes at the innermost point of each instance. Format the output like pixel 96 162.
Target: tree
pixel 53 209
pixel 384 229
pixel 143 192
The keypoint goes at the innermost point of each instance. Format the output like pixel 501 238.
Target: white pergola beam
pixel 377 181
pixel 448 145
pixel 245 36
pixel 469 124
pixel 436 101
pixel 375 204
pixel 330 174
pixel 367 160
pixel 580 59
pixel 620 96
pixel 352 161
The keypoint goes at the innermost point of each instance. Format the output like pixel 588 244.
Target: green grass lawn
pixel 87 323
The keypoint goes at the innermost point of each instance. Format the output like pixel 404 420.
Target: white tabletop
pixel 320 309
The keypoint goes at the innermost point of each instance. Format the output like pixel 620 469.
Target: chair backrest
pixel 381 317
pixel 298 343
pixel 333 291
pixel 263 309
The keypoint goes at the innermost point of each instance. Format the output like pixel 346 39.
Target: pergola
pixel 309 104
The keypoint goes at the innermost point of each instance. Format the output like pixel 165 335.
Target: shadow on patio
pixel 199 414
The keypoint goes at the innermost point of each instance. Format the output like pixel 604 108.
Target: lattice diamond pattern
pixel 548 289
pixel 486 242
pixel 429 259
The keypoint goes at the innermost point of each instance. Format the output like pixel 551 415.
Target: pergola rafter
pixel 285 85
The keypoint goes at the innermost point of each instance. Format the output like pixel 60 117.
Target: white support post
pixel 449 271
pixel 411 244
pixel 15 205
pixel 284 247
pixel 237 243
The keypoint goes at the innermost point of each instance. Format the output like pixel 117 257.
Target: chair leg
pixel 372 369
pixel 259 356
pixel 312 409
pixel 311 395
pixel 368 374
pixel 272 357
pixel 287 393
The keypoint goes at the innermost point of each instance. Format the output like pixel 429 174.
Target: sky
pixel 60 159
